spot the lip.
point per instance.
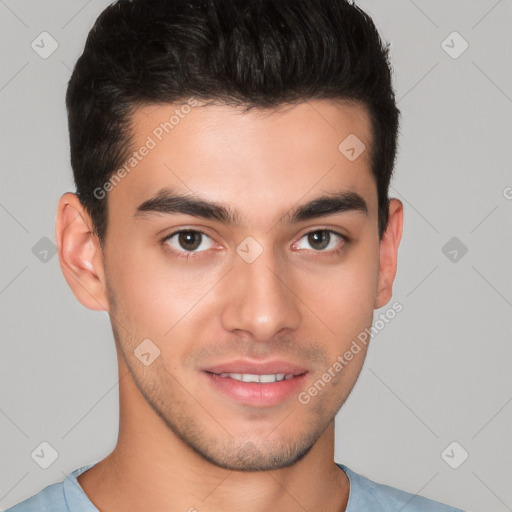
(245, 366)
(256, 394)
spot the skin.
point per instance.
(182, 445)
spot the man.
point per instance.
(232, 163)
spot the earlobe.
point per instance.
(389, 253)
(80, 255)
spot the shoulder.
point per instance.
(365, 494)
(49, 499)
(59, 497)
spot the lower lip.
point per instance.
(254, 393)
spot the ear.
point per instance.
(80, 255)
(388, 253)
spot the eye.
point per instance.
(322, 240)
(188, 241)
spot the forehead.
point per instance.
(258, 162)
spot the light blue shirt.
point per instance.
(365, 495)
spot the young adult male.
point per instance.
(232, 163)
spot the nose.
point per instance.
(260, 298)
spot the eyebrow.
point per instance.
(169, 202)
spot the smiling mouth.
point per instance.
(262, 379)
(256, 383)
(256, 389)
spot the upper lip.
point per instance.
(254, 368)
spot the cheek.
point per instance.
(158, 298)
(146, 283)
(344, 297)
(161, 297)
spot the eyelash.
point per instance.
(188, 254)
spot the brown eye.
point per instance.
(319, 240)
(189, 241)
(322, 240)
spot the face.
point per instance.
(242, 260)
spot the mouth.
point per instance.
(258, 385)
(252, 377)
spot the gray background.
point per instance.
(438, 373)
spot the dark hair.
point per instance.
(250, 53)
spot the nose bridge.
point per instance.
(261, 301)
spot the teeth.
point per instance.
(249, 377)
